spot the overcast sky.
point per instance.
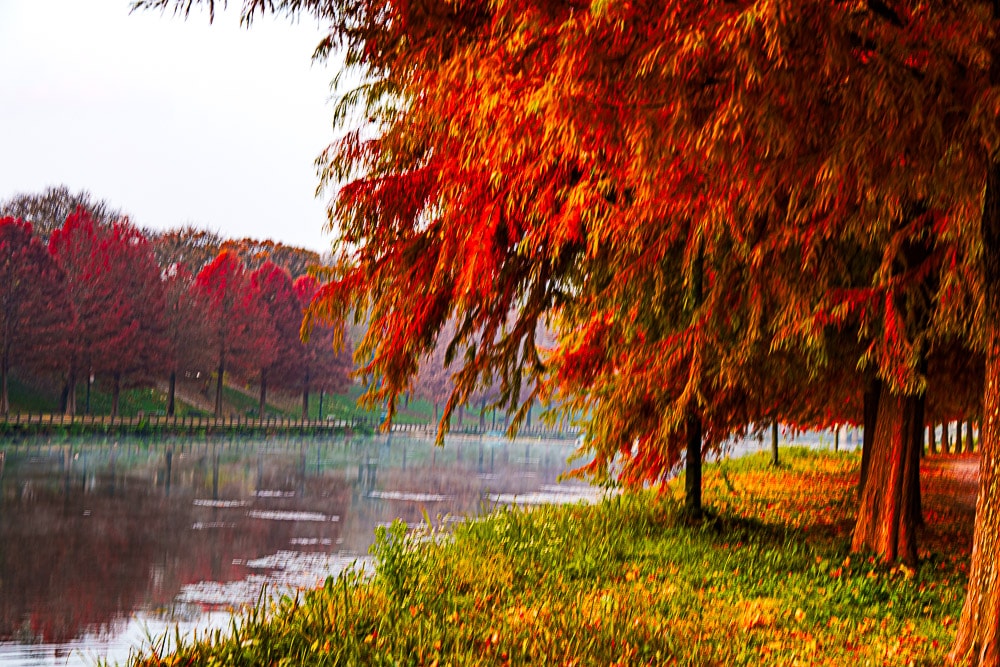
(175, 122)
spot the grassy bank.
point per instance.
(768, 579)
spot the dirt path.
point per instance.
(954, 480)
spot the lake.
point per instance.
(105, 543)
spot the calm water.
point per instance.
(105, 544)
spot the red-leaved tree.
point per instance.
(238, 330)
(113, 282)
(34, 314)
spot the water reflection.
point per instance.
(94, 535)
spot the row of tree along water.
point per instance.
(96, 305)
(93, 301)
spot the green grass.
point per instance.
(768, 578)
(130, 403)
(25, 398)
(246, 403)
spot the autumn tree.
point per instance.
(185, 328)
(34, 314)
(113, 283)
(237, 327)
(48, 210)
(189, 246)
(282, 364)
(255, 254)
(327, 352)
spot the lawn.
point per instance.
(767, 578)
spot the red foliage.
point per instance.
(239, 333)
(113, 283)
(35, 317)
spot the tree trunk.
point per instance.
(4, 396)
(116, 391)
(931, 445)
(263, 393)
(977, 640)
(305, 399)
(774, 444)
(70, 407)
(958, 437)
(836, 438)
(319, 413)
(482, 414)
(171, 392)
(970, 444)
(218, 389)
(873, 390)
(886, 520)
(945, 442)
(528, 417)
(692, 479)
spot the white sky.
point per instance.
(175, 122)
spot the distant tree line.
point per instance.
(92, 298)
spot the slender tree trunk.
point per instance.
(958, 437)
(305, 399)
(116, 391)
(528, 418)
(945, 442)
(931, 445)
(437, 415)
(873, 390)
(4, 396)
(774, 444)
(970, 444)
(482, 414)
(218, 388)
(320, 411)
(977, 640)
(263, 393)
(886, 520)
(70, 408)
(171, 392)
(692, 467)
(692, 479)
(836, 438)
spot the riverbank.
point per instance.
(29, 425)
(767, 578)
